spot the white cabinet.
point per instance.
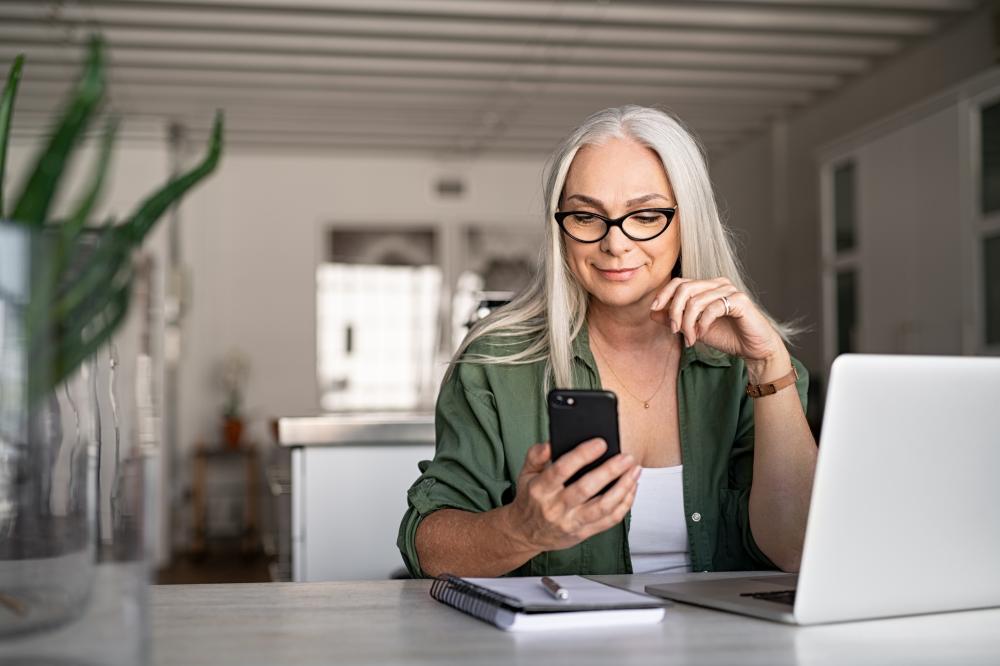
(349, 482)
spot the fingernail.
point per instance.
(656, 304)
(674, 325)
(636, 473)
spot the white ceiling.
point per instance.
(455, 76)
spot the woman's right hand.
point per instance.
(550, 516)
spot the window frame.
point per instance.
(834, 262)
(979, 226)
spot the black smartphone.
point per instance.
(578, 415)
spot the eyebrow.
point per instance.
(596, 203)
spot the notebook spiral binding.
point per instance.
(468, 598)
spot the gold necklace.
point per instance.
(645, 403)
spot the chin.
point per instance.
(618, 297)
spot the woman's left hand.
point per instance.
(696, 309)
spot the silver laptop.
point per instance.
(905, 511)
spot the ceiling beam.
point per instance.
(225, 62)
(71, 19)
(689, 14)
(399, 126)
(208, 81)
(129, 42)
(906, 5)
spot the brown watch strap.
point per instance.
(770, 388)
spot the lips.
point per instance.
(618, 274)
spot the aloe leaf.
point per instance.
(101, 267)
(71, 227)
(74, 348)
(65, 321)
(6, 114)
(86, 270)
(34, 203)
(68, 325)
(74, 306)
(146, 215)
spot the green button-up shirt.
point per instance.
(489, 415)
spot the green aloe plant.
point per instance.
(80, 293)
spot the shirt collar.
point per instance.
(699, 352)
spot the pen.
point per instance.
(555, 589)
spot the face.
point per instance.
(615, 178)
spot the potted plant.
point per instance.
(233, 372)
(72, 517)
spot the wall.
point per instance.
(253, 239)
(770, 185)
(911, 303)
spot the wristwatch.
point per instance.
(770, 388)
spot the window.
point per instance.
(990, 155)
(378, 300)
(991, 289)
(844, 207)
(847, 309)
(840, 274)
(988, 224)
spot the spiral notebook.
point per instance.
(523, 604)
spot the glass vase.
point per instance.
(76, 462)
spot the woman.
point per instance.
(639, 293)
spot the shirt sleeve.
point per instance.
(735, 509)
(467, 471)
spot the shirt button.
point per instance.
(695, 517)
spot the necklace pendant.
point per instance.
(646, 405)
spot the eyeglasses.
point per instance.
(639, 225)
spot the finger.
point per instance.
(684, 293)
(696, 307)
(570, 463)
(715, 310)
(611, 519)
(591, 483)
(617, 470)
(602, 505)
(537, 457)
(667, 293)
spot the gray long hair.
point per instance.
(542, 321)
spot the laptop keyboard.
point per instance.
(779, 597)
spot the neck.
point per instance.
(626, 328)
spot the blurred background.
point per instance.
(380, 189)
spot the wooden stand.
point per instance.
(249, 535)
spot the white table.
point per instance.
(396, 622)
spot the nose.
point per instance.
(616, 242)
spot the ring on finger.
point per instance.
(725, 301)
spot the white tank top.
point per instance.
(658, 537)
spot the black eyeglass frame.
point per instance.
(617, 222)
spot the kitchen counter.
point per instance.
(393, 428)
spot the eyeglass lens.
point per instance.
(640, 225)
